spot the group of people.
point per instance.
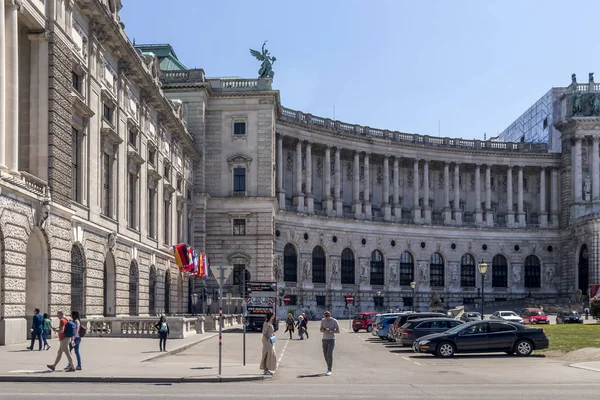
(329, 328)
(301, 324)
(69, 332)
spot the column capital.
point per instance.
(366, 153)
(478, 165)
(14, 3)
(577, 139)
(308, 142)
(521, 167)
(416, 161)
(543, 168)
(425, 160)
(38, 36)
(510, 167)
(595, 139)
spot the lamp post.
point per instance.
(482, 267)
(194, 302)
(208, 303)
(413, 285)
(379, 297)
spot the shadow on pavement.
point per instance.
(475, 356)
(311, 376)
(201, 368)
(402, 351)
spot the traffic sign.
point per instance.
(349, 299)
(227, 269)
(286, 299)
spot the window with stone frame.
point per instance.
(167, 170)
(378, 300)
(377, 268)
(499, 271)
(152, 212)
(467, 271)
(239, 180)
(76, 82)
(132, 200)
(239, 127)
(318, 265)
(436, 270)
(407, 269)
(290, 263)
(107, 185)
(107, 113)
(152, 155)
(167, 218)
(347, 267)
(533, 272)
(239, 227)
(132, 137)
(133, 289)
(77, 280)
(75, 165)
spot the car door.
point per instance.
(474, 338)
(501, 336)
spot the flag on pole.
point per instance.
(195, 271)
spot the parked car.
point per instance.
(416, 328)
(379, 318)
(470, 316)
(484, 337)
(384, 326)
(394, 335)
(534, 316)
(568, 317)
(509, 316)
(363, 320)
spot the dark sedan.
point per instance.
(413, 330)
(568, 317)
(484, 337)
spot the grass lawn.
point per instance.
(571, 337)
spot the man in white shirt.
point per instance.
(329, 327)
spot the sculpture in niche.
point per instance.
(454, 274)
(550, 275)
(307, 272)
(516, 274)
(335, 272)
(423, 272)
(364, 274)
(587, 188)
(595, 100)
(394, 279)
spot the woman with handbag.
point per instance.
(163, 332)
(268, 362)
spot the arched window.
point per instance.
(77, 280)
(167, 292)
(436, 270)
(377, 268)
(152, 291)
(533, 272)
(347, 267)
(407, 269)
(499, 271)
(318, 265)
(290, 263)
(467, 271)
(583, 269)
(133, 289)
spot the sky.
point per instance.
(453, 68)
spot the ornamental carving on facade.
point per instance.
(379, 176)
(584, 157)
(504, 184)
(410, 178)
(289, 161)
(525, 185)
(349, 172)
(516, 275)
(319, 167)
(472, 182)
(441, 180)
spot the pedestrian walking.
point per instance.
(289, 324)
(37, 326)
(305, 324)
(301, 325)
(46, 331)
(268, 361)
(66, 333)
(76, 340)
(329, 327)
(163, 332)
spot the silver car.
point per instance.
(509, 316)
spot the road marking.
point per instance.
(417, 363)
(26, 371)
(283, 351)
(406, 358)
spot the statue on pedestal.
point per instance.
(266, 68)
(307, 272)
(587, 189)
(364, 274)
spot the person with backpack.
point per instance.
(163, 332)
(79, 332)
(66, 333)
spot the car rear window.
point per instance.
(359, 316)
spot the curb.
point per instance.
(580, 366)
(130, 379)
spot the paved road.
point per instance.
(364, 367)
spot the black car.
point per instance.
(404, 318)
(470, 316)
(568, 317)
(416, 328)
(484, 337)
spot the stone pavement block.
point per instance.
(590, 366)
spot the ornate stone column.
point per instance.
(457, 210)
(510, 213)
(339, 204)
(554, 195)
(387, 210)
(11, 37)
(356, 203)
(543, 213)
(397, 205)
(327, 176)
(299, 196)
(280, 191)
(577, 170)
(595, 168)
(446, 211)
(3, 165)
(310, 200)
(416, 207)
(367, 189)
(478, 213)
(489, 216)
(520, 210)
(427, 216)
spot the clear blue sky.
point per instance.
(401, 65)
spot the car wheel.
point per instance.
(445, 349)
(369, 328)
(523, 348)
(355, 330)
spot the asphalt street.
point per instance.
(364, 366)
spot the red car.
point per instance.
(364, 320)
(534, 316)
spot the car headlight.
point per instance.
(422, 342)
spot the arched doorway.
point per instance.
(36, 286)
(290, 263)
(583, 269)
(77, 280)
(110, 286)
(167, 292)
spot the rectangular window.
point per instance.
(332, 166)
(132, 199)
(293, 300)
(303, 163)
(76, 81)
(180, 226)
(239, 128)
(151, 213)
(133, 138)
(75, 165)
(106, 185)
(189, 194)
(406, 273)
(239, 227)
(239, 179)
(167, 221)
(107, 113)
(152, 156)
(320, 300)
(179, 184)
(167, 171)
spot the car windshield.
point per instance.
(537, 313)
(473, 314)
(571, 313)
(508, 314)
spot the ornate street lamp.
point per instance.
(413, 285)
(208, 303)
(379, 297)
(482, 267)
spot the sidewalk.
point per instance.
(123, 360)
(590, 366)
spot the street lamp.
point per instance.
(379, 297)
(482, 267)
(194, 302)
(208, 303)
(413, 285)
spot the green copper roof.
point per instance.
(166, 56)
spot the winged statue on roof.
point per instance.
(266, 68)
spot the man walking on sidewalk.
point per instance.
(37, 326)
(329, 327)
(65, 336)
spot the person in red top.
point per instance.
(64, 343)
